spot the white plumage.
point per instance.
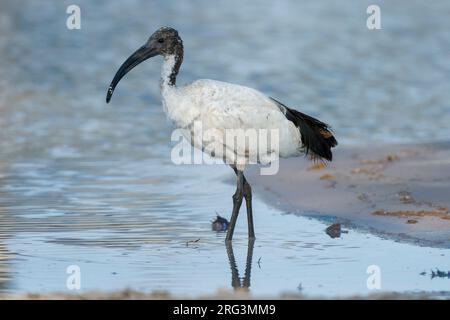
(222, 108)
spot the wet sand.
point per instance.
(401, 192)
(219, 295)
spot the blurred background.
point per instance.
(81, 180)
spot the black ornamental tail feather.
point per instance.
(317, 138)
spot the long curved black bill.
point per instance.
(140, 55)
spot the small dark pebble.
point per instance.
(220, 224)
(335, 231)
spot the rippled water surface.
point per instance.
(89, 184)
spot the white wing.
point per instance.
(222, 106)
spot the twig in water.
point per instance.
(192, 241)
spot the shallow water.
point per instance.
(89, 184)
(125, 229)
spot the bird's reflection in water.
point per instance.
(236, 281)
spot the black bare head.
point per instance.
(165, 41)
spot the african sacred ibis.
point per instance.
(222, 106)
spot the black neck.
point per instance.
(177, 65)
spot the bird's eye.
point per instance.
(161, 40)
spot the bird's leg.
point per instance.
(237, 201)
(247, 193)
(248, 203)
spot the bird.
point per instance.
(223, 106)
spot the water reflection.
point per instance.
(236, 281)
(4, 271)
(4, 252)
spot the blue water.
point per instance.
(89, 184)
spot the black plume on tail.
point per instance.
(317, 138)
